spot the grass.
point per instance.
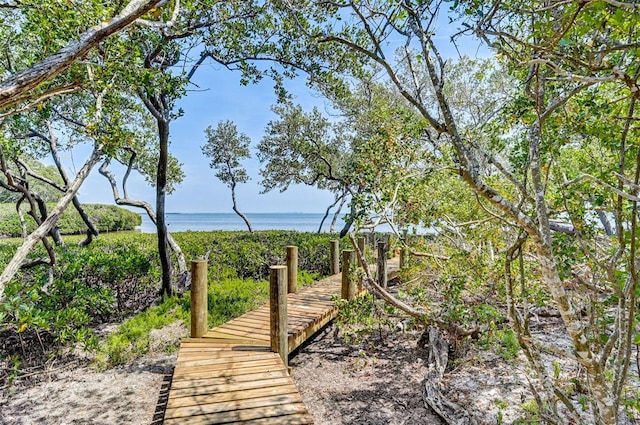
(117, 275)
(227, 299)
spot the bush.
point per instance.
(249, 255)
(117, 277)
(106, 218)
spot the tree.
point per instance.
(235, 34)
(515, 175)
(33, 67)
(16, 88)
(226, 148)
(305, 148)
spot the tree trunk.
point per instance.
(235, 208)
(91, 228)
(347, 223)
(182, 263)
(336, 214)
(339, 198)
(606, 224)
(14, 265)
(438, 349)
(42, 208)
(52, 140)
(14, 88)
(161, 225)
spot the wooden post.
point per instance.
(348, 283)
(198, 298)
(292, 269)
(278, 309)
(335, 257)
(361, 247)
(404, 257)
(382, 263)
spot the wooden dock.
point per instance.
(230, 374)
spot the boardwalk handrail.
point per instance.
(231, 374)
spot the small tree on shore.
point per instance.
(226, 147)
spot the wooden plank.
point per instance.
(221, 354)
(313, 297)
(320, 289)
(258, 402)
(256, 323)
(312, 318)
(255, 331)
(238, 362)
(230, 355)
(217, 354)
(249, 377)
(243, 414)
(188, 393)
(226, 367)
(295, 419)
(307, 308)
(223, 332)
(292, 318)
(212, 347)
(199, 361)
(303, 303)
(305, 314)
(314, 307)
(229, 342)
(245, 321)
(225, 373)
(174, 405)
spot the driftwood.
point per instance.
(438, 348)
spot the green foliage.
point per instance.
(531, 415)
(116, 277)
(106, 218)
(90, 285)
(249, 255)
(304, 148)
(226, 148)
(226, 299)
(632, 403)
(131, 340)
(47, 192)
(361, 316)
(509, 346)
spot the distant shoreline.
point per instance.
(302, 222)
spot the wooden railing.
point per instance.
(283, 281)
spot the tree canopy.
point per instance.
(533, 152)
(226, 148)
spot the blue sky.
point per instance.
(221, 97)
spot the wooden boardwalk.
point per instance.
(231, 376)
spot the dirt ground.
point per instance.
(378, 381)
(371, 383)
(122, 395)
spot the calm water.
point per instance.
(180, 222)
